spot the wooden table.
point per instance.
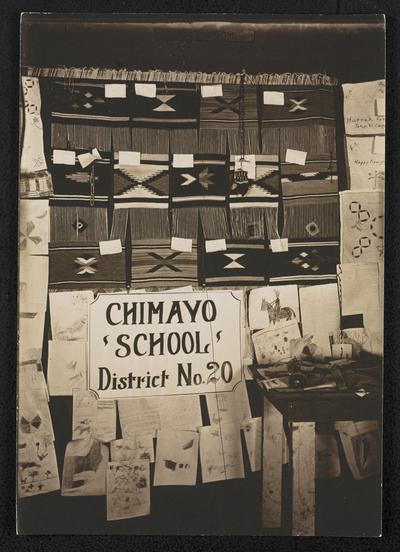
(301, 410)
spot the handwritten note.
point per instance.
(221, 453)
(92, 417)
(67, 367)
(176, 458)
(361, 115)
(85, 465)
(215, 245)
(128, 490)
(129, 158)
(69, 314)
(279, 245)
(366, 166)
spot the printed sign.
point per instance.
(152, 344)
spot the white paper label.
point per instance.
(296, 156)
(181, 244)
(129, 158)
(144, 89)
(379, 145)
(115, 90)
(110, 247)
(271, 97)
(279, 245)
(95, 153)
(211, 91)
(63, 157)
(86, 159)
(380, 106)
(246, 163)
(182, 160)
(215, 245)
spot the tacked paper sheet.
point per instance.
(221, 454)
(31, 330)
(320, 314)
(128, 489)
(273, 306)
(92, 417)
(176, 458)
(146, 416)
(37, 469)
(67, 367)
(33, 280)
(362, 228)
(229, 407)
(274, 345)
(252, 429)
(367, 168)
(69, 314)
(361, 444)
(85, 465)
(362, 114)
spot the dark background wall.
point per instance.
(349, 48)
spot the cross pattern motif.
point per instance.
(164, 262)
(297, 105)
(227, 105)
(86, 265)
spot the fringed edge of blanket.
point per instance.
(156, 75)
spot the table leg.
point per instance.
(272, 466)
(303, 478)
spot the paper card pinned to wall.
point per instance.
(181, 244)
(92, 417)
(110, 247)
(221, 453)
(279, 245)
(86, 159)
(129, 158)
(148, 90)
(37, 466)
(85, 465)
(115, 90)
(66, 367)
(296, 156)
(246, 163)
(380, 106)
(96, 153)
(211, 91)
(63, 157)
(272, 97)
(182, 160)
(215, 245)
(379, 145)
(128, 490)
